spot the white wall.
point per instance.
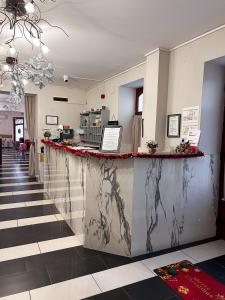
(212, 108)
(111, 87)
(126, 111)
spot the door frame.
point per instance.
(14, 127)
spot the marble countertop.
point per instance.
(79, 151)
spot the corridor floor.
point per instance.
(41, 258)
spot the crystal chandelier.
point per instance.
(37, 70)
(40, 71)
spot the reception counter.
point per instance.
(133, 203)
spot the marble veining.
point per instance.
(153, 198)
(109, 191)
(133, 206)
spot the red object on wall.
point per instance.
(102, 96)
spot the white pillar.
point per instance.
(155, 97)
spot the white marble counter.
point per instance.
(134, 206)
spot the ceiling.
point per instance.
(106, 37)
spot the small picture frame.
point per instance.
(173, 125)
(52, 120)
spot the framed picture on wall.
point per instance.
(52, 120)
(173, 125)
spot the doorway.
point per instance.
(18, 128)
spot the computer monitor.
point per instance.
(67, 134)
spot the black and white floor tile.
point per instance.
(41, 259)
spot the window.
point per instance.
(139, 101)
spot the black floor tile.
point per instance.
(113, 261)
(220, 260)
(117, 294)
(87, 253)
(51, 258)
(17, 180)
(34, 233)
(22, 282)
(14, 174)
(221, 279)
(14, 266)
(21, 188)
(22, 198)
(27, 212)
(4, 168)
(73, 268)
(212, 268)
(153, 288)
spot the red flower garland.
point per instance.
(86, 153)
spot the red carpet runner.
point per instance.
(190, 282)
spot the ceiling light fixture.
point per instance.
(23, 20)
(30, 7)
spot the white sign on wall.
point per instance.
(190, 125)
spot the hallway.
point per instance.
(41, 259)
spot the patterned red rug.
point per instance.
(190, 282)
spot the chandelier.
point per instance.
(23, 19)
(37, 70)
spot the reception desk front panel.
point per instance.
(136, 205)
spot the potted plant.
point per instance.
(152, 146)
(47, 134)
(184, 147)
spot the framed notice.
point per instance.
(190, 125)
(111, 139)
(190, 115)
(173, 126)
(52, 120)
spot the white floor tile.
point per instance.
(18, 184)
(57, 244)
(20, 296)
(13, 205)
(166, 259)
(59, 217)
(206, 251)
(74, 289)
(8, 224)
(117, 277)
(36, 203)
(18, 172)
(15, 177)
(6, 194)
(37, 220)
(28, 192)
(19, 251)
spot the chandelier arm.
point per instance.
(13, 36)
(3, 26)
(55, 26)
(26, 23)
(24, 34)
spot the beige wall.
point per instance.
(111, 87)
(6, 121)
(187, 71)
(126, 111)
(68, 113)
